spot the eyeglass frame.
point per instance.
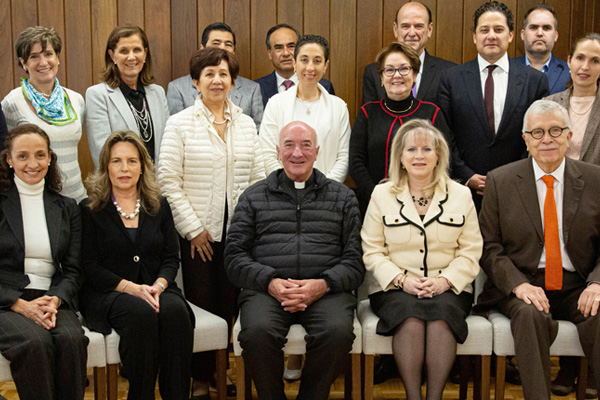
(408, 69)
(544, 131)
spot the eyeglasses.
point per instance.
(539, 133)
(403, 71)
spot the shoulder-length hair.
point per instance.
(99, 182)
(7, 174)
(409, 132)
(111, 75)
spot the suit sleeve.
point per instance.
(68, 286)
(257, 106)
(369, 87)
(269, 136)
(174, 99)
(498, 266)
(97, 123)
(170, 250)
(359, 156)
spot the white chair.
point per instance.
(296, 345)
(210, 334)
(96, 359)
(566, 344)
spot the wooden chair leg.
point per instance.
(582, 378)
(486, 362)
(247, 384)
(240, 370)
(356, 375)
(221, 374)
(348, 378)
(112, 384)
(500, 376)
(368, 373)
(477, 381)
(99, 383)
(464, 363)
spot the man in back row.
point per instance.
(413, 26)
(281, 43)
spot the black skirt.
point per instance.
(395, 306)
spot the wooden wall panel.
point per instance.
(263, 15)
(184, 35)
(448, 31)
(432, 42)
(78, 58)
(157, 21)
(104, 20)
(24, 14)
(51, 13)
(290, 12)
(318, 22)
(8, 60)
(390, 7)
(209, 11)
(563, 14)
(519, 14)
(343, 51)
(131, 12)
(236, 16)
(369, 16)
(577, 20)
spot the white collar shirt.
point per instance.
(500, 76)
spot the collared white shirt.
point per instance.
(281, 79)
(559, 188)
(500, 76)
(420, 74)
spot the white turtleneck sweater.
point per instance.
(38, 254)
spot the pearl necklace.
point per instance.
(123, 214)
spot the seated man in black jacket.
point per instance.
(294, 247)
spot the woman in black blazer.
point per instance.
(39, 271)
(130, 259)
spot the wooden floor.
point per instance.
(391, 389)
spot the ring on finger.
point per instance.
(597, 299)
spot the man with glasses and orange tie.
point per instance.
(540, 222)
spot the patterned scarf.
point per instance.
(56, 110)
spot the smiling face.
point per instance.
(42, 65)
(310, 64)
(413, 26)
(222, 40)
(214, 83)
(539, 35)
(29, 157)
(124, 167)
(129, 55)
(585, 66)
(281, 53)
(298, 150)
(398, 87)
(419, 157)
(492, 36)
(548, 152)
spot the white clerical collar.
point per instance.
(558, 173)
(299, 185)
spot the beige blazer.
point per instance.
(590, 148)
(447, 243)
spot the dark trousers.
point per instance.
(150, 341)
(45, 364)
(206, 285)
(328, 324)
(534, 331)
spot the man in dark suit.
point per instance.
(541, 227)
(413, 26)
(484, 100)
(281, 43)
(539, 35)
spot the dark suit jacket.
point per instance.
(109, 255)
(268, 86)
(64, 230)
(461, 99)
(3, 128)
(428, 88)
(558, 73)
(513, 234)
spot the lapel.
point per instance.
(516, 78)
(11, 208)
(53, 221)
(592, 125)
(573, 190)
(472, 85)
(436, 208)
(236, 93)
(271, 86)
(428, 66)
(119, 102)
(409, 211)
(526, 188)
(157, 115)
(113, 215)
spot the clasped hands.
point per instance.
(587, 304)
(150, 294)
(297, 294)
(425, 287)
(42, 310)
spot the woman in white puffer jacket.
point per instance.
(209, 155)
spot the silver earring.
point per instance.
(115, 62)
(48, 164)
(10, 166)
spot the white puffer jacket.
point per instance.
(190, 175)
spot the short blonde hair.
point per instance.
(409, 132)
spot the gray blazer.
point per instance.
(181, 94)
(107, 111)
(590, 148)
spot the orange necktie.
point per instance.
(554, 269)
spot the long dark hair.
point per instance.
(7, 174)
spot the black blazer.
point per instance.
(109, 255)
(430, 80)
(64, 230)
(461, 99)
(268, 86)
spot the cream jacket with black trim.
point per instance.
(446, 243)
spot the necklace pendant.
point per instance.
(308, 112)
